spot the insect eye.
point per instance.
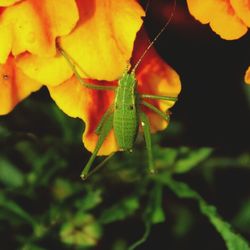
(116, 106)
(131, 107)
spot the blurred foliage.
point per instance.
(45, 205)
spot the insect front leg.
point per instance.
(156, 110)
(159, 97)
(104, 130)
(72, 66)
(147, 135)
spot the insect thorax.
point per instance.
(127, 80)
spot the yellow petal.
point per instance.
(6, 41)
(220, 15)
(242, 9)
(50, 71)
(103, 40)
(8, 2)
(247, 76)
(33, 26)
(201, 10)
(89, 105)
(14, 86)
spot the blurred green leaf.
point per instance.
(241, 161)
(32, 247)
(153, 214)
(182, 190)
(157, 214)
(242, 219)
(180, 160)
(40, 162)
(183, 220)
(16, 209)
(10, 176)
(70, 128)
(120, 210)
(192, 157)
(90, 200)
(165, 156)
(120, 244)
(82, 230)
(62, 189)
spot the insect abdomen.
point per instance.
(126, 113)
(125, 128)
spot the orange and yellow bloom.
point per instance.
(230, 19)
(100, 36)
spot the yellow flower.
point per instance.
(247, 76)
(99, 36)
(230, 19)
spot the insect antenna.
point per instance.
(156, 37)
(147, 6)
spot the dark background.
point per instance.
(213, 105)
(213, 108)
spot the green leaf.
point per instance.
(233, 241)
(155, 209)
(242, 219)
(120, 211)
(153, 214)
(120, 244)
(165, 157)
(10, 176)
(17, 210)
(62, 189)
(184, 220)
(32, 247)
(82, 230)
(192, 159)
(90, 200)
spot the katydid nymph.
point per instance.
(124, 116)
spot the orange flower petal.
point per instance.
(155, 77)
(50, 71)
(6, 41)
(221, 16)
(89, 105)
(103, 41)
(14, 85)
(33, 26)
(247, 76)
(242, 9)
(201, 10)
(8, 2)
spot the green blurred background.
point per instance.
(45, 205)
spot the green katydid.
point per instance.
(125, 114)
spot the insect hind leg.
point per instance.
(147, 135)
(103, 133)
(109, 111)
